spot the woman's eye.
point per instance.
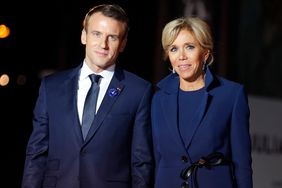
(190, 47)
(173, 49)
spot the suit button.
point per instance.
(185, 185)
(184, 159)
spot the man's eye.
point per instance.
(113, 38)
(96, 34)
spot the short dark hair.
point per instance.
(110, 10)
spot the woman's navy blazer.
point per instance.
(220, 124)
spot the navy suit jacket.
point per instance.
(220, 124)
(117, 152)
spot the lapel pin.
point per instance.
(114, 92)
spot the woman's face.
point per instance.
(187, 56)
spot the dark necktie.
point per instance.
(90, 104)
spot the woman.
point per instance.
(200, 120)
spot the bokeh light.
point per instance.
(4, 31)
(4, 80)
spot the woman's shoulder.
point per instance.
(167, 80)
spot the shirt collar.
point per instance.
(106, 74)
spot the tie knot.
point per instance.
(94, 78)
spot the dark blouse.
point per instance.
(188, 102)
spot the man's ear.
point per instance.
(123, 44)
(83, 37)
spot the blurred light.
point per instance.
(4, 31)
(4, 80)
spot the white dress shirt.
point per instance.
(84, 84)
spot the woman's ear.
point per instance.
(83, 37)
(207, 54)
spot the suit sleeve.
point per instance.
(37, 146)
(142, 157)
(155, 133)
(241, 141)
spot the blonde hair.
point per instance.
(198, 27)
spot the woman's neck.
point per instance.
(194, 85)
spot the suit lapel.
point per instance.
(71, 87)
(169, 106)
(170, 113)
(210, 83)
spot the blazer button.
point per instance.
(184, 159)
(185, 185)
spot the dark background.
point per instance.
(45, 37)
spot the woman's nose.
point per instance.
(182, 55)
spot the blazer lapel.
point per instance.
(170, 108)
(210, 83)
(71, 87)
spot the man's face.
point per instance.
(104, 40)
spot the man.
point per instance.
(116, 151)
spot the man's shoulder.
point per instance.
(59, 78)
(61, 74)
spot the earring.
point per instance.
(173, 71)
